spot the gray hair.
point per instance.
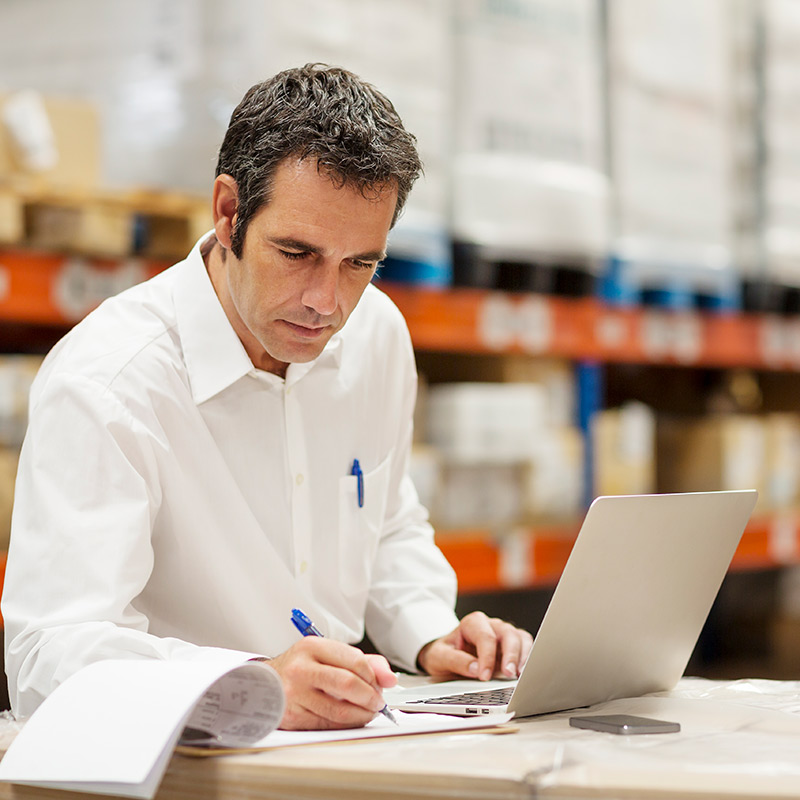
(319, 112)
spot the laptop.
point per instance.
(627, 611)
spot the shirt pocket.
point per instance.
(360, 527)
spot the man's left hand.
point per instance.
(479, 647)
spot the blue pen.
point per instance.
(308, 628)
(360, 476)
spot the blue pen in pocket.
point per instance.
(357, 472)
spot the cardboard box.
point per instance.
(712, 454)
(623, 440)
(75, 127)
(9, 459)
(782, 461)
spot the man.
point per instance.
(214, 447)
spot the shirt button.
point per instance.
(299, 479)
(303, 567)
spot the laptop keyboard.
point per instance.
(493, 697)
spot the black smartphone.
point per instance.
(625, 724)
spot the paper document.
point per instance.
(408, 725)
(112, 727)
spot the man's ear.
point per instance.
(224, 205)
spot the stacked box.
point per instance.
(554, 489)
(486, 422)
(473, 494)
(529, 168)
(555, 376)
(623, 444)
(781, 461)
(672, 141)
(715, 453)
(54, 140)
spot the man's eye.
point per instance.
(364, 264)
(293, 256)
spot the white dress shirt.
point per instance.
(173, 501)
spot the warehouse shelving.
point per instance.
(484, 321)
(56, 290)
(589, 331)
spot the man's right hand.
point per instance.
(329, 684)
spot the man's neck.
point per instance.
(214, 257)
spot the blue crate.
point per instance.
(674, 286)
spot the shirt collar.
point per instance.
(215, 356)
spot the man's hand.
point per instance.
(330, 685)
(479, 647)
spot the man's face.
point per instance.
(308, 255)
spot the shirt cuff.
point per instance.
(419, 624)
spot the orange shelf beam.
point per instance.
(55, 289)
(483, 321)
(535, 557)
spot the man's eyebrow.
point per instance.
(295, 244)
(305, 247)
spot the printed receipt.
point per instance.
(238, 710)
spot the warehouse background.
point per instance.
(600, 267)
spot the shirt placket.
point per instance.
(300, 485)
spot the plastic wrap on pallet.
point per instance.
(529, 170)
(674, 149)
(781, 71)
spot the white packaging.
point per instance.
(25, 117)
(529, 168)
(425, 469)
(781, 125)
(486, 422)
(479, 495)
(555, 483)
(672, 135)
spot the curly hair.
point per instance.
(320, 112)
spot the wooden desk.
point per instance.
(738, 740)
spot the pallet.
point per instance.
(158, 225)
(769, 297)
(485, 268)
(669, 286)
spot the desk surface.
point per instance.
(739, 739)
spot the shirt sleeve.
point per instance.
(80, 552)
(413, 591)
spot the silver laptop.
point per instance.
(628, 609)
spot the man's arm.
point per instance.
(81, 548)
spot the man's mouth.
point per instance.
(306, 331)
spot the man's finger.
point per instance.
(443, 659)
(477, 629)
(510, 650)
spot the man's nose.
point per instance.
(322, 292)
